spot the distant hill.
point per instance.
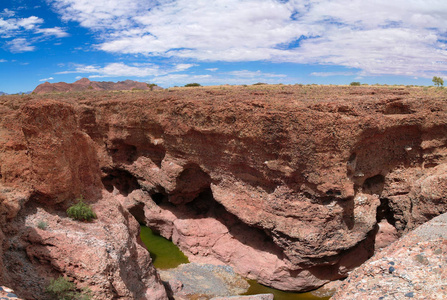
(3, 93)
(85, 84)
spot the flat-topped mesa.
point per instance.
(84, 84)
(289, 190)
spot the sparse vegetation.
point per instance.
(355, 83)
(63, 289)
(259, 83)
(81, 211)
(192, 84)
(151, 85)
(42, 225)
(438, 81)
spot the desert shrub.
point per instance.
(81, 211)
(42, 225)
(259, 83)
(355, 83)
(63, 289)
(192, 84)
(151, 85)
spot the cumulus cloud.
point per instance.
(46, 79)
(20, 31)
(254, 74)
(233, 77)
(328, 74)
(19, 45)
(377, 37)
(123, 70)
(55, 31)
(7, 13)
(11, 26)
(102, 14)
(181, 79)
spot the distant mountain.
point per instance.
(19, 93)
(85, 84)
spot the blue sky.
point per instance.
(174, 42)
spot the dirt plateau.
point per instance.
(293, 186)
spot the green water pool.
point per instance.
(166, 255)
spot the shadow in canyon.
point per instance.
(34, 255)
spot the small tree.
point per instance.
(438, 81)
(151, 86)
(355, 83)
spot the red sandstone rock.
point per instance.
(85, 84)
(386, 234)
(59, 151)
(414, 267)
(104, 255)
(46, 160)
(296, 177)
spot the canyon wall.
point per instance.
(291, 185)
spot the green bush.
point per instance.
(81, 211)
(42, 225)
(63, 289)
(151, 86)
(355, 83)
(192, 84)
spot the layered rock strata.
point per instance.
(289, 185)
(46, 163)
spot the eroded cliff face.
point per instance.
(292, 186)
(47, 162)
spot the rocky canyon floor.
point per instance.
(292, 186)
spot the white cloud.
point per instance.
(29, 23)
(216, 79)
(212, 69)
(173, 74)
(256, 74)
(56, 31)
(328, 74)
(7, 13)
(102, 14)
(12, 26)
(377, 37)
(183, 67)
(21, 31)
(46, 79)
(123, 70)
(19, 45)
(181, 79)
(3, 60)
